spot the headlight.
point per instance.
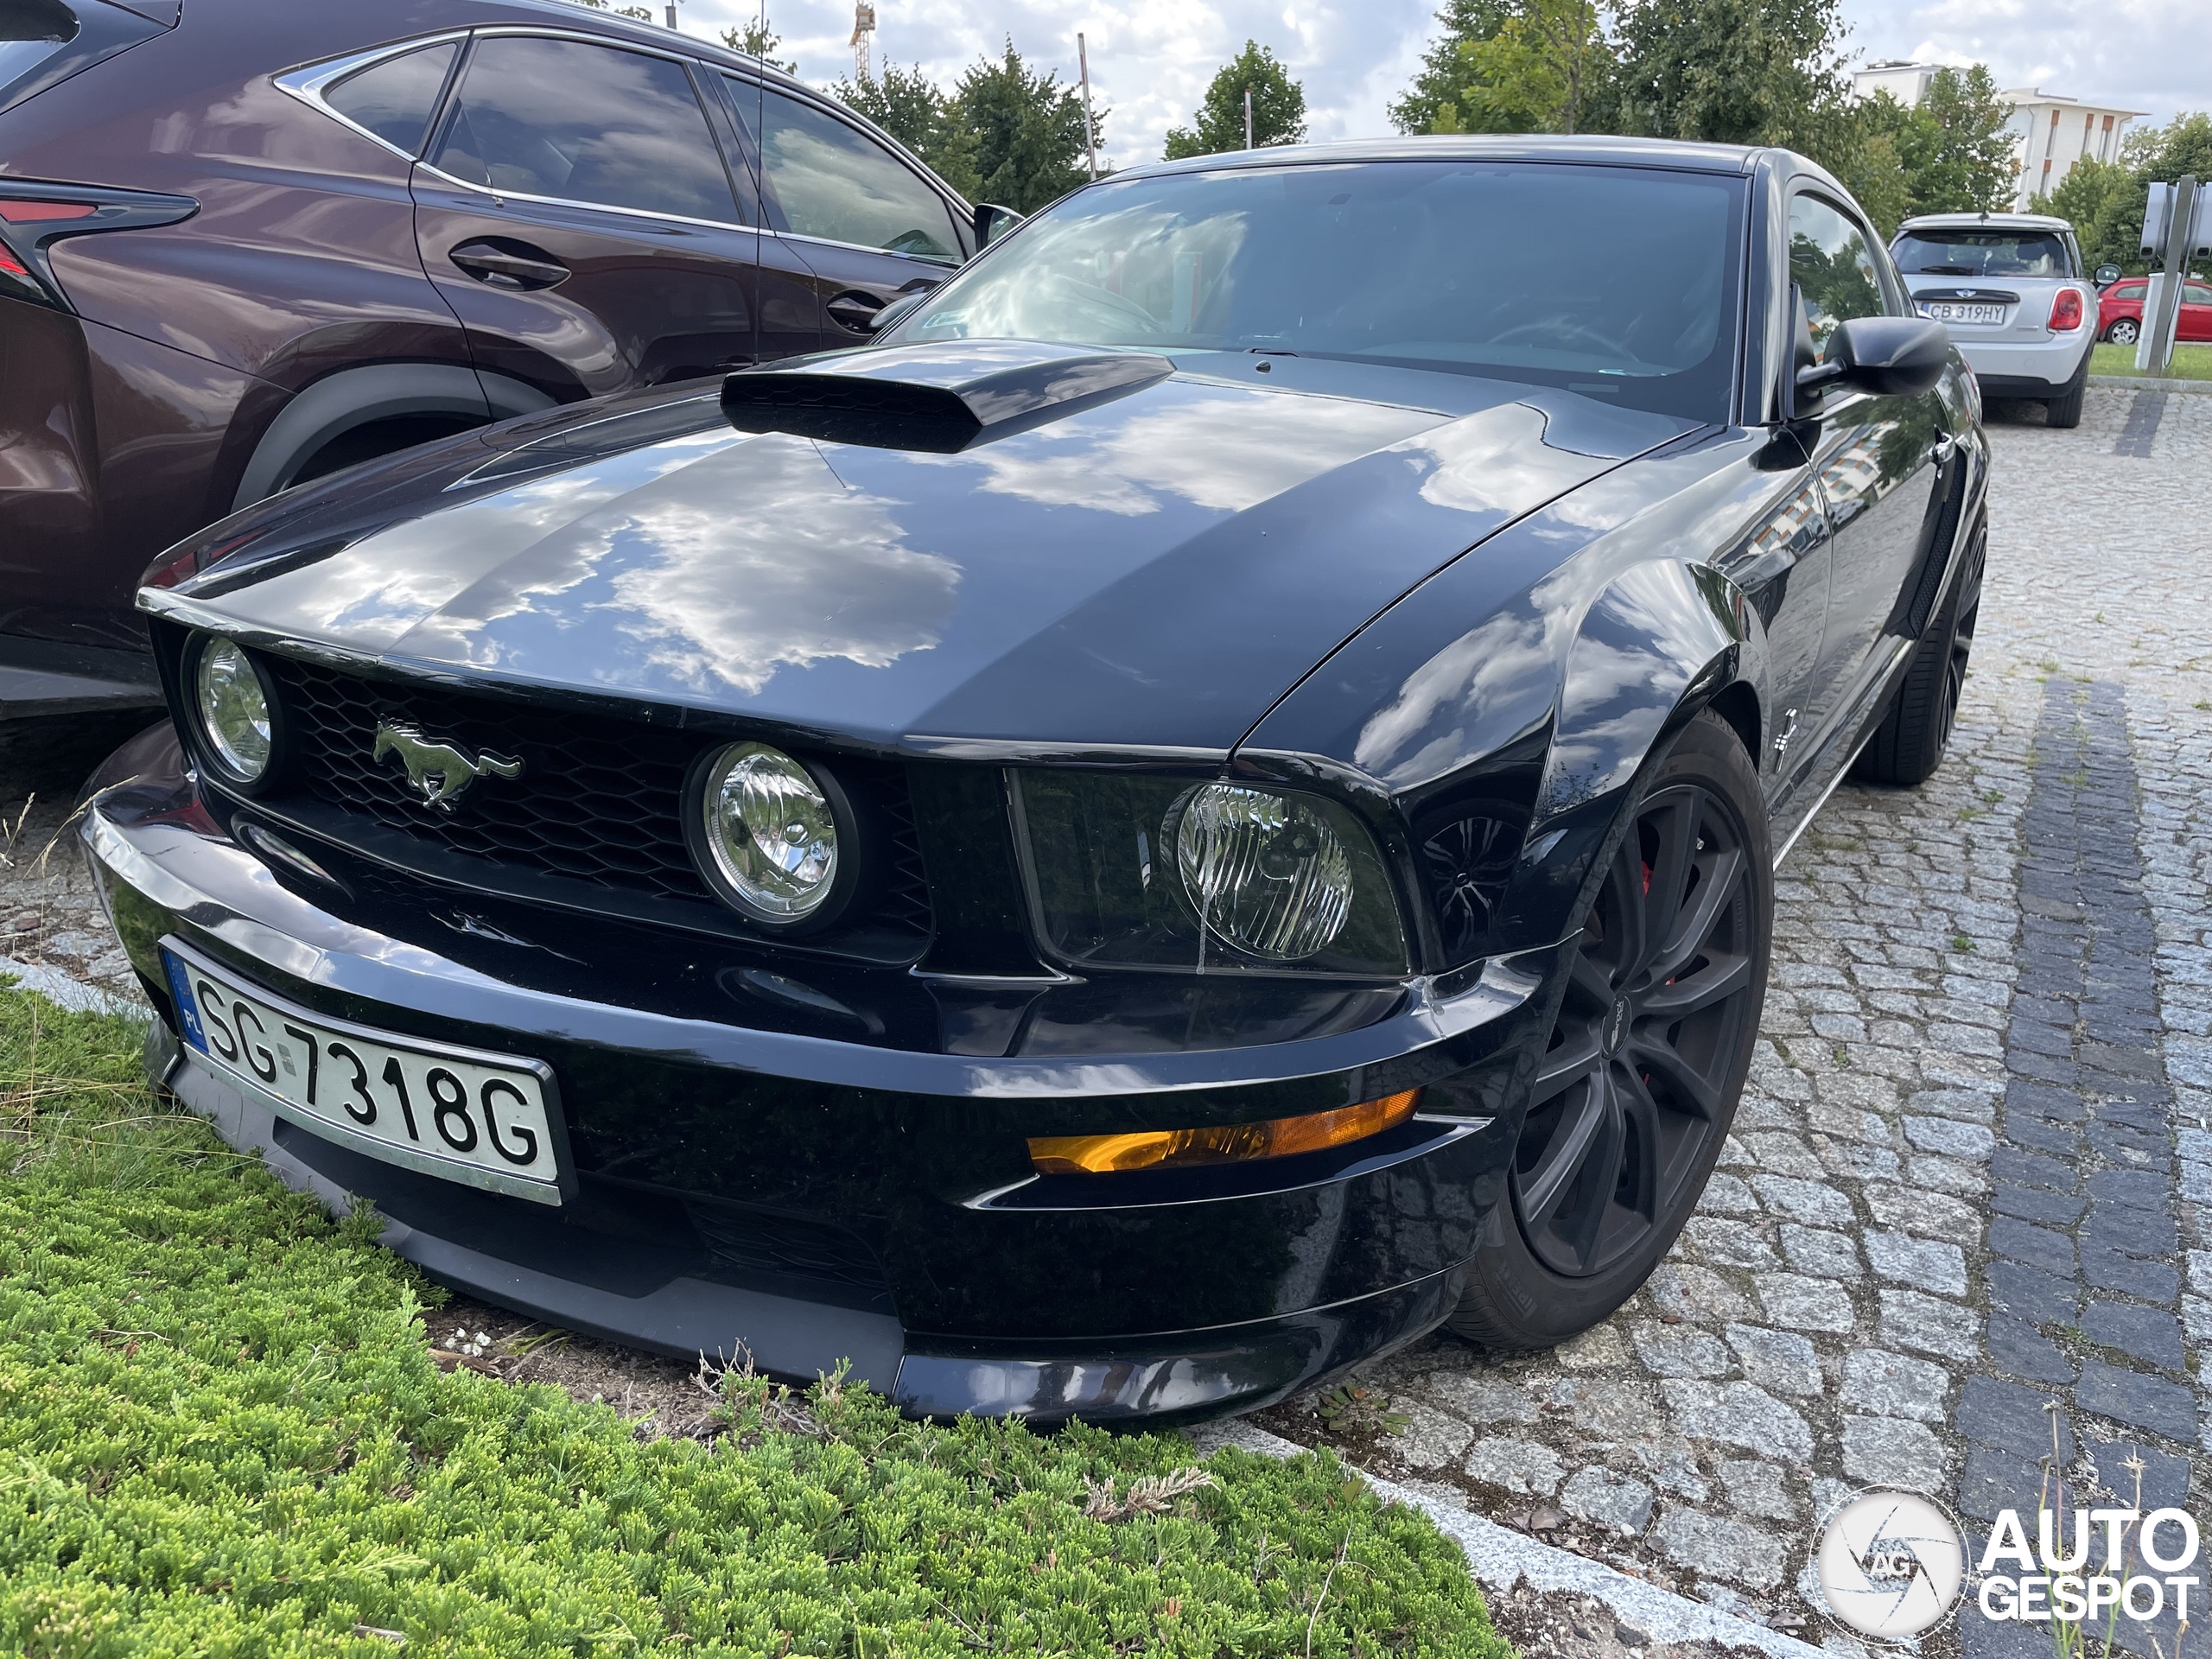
(769, 831)
(1143, 872)
(233, 707)
(1262, 870)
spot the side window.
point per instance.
(396, 99)
(2195, 294)
(2130, 290)
(585, 123)
(1830, 264)
(834, 183)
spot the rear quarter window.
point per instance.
(396, 99)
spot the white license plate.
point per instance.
(1942, 311)
(485, 1120)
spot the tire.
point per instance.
(2064, 411)
(1908, 744)
(2125, 332)
(1646, 1060)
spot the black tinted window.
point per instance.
(31, 31)
(1617, 280)
(1964, 252)
(585, 123)
(396, 99)
(834, 182)
(1832, 266)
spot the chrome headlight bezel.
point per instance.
(719, 870)
(1087, 837)
(216, 754)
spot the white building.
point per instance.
(2049, 132)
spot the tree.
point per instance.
(1734, 71)
(1278, 108)
(1439, 92)
(914, 110)
(1543, 70)
(755, 40)
(2105, 201)
(1958, 151)
(1028, 133)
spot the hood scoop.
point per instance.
(937, 399)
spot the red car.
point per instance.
(2120, 311)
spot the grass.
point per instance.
(221, 1433)
(2190, 362)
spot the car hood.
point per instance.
(1155, 567)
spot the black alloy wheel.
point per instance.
(1638, 1083)
(1909, 743)
(1630, 1091)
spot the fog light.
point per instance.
(1276, 1137)
(770, 832)
(233, 708)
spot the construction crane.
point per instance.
(863, 33)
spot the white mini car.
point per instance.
(2011, 290)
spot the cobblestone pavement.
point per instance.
(1965, 1177)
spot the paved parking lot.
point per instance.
(1965, 1181)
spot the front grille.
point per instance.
(597, 800)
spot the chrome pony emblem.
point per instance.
(440, 770)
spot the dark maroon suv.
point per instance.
(245, 242)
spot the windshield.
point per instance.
(1615, 280)
(1948, 252)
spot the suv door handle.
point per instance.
(856, 310)
(1943, 447)
(512, 265)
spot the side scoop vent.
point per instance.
(937, 399)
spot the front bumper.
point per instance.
(2035, 369)
(816, 1201)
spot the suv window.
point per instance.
(585, 123)
(1963, 251)
(396, 99)
(833, 181)
(1832, 265)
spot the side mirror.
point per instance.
(992, 222)
(899, 310)
(1889, 357)
(2106, 276)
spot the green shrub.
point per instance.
(221, 1433)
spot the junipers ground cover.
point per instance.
(221, 1433)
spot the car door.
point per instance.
(1877, 460)
(2195, 312)
(579, 213)
(1782, 567)
(866, 225)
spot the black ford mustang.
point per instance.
(1202, 805)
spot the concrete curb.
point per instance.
(69, 993)
(2142, 382)
(1500, 1558)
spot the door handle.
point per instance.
(1943, 449)
(512, 265)
(856, 310)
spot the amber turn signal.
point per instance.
(1276, 1137)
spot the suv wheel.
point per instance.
(1647, 1058)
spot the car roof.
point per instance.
(1519, 147)
(1979, 221)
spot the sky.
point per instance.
(1150, 59)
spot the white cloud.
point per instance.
(1150, 59)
